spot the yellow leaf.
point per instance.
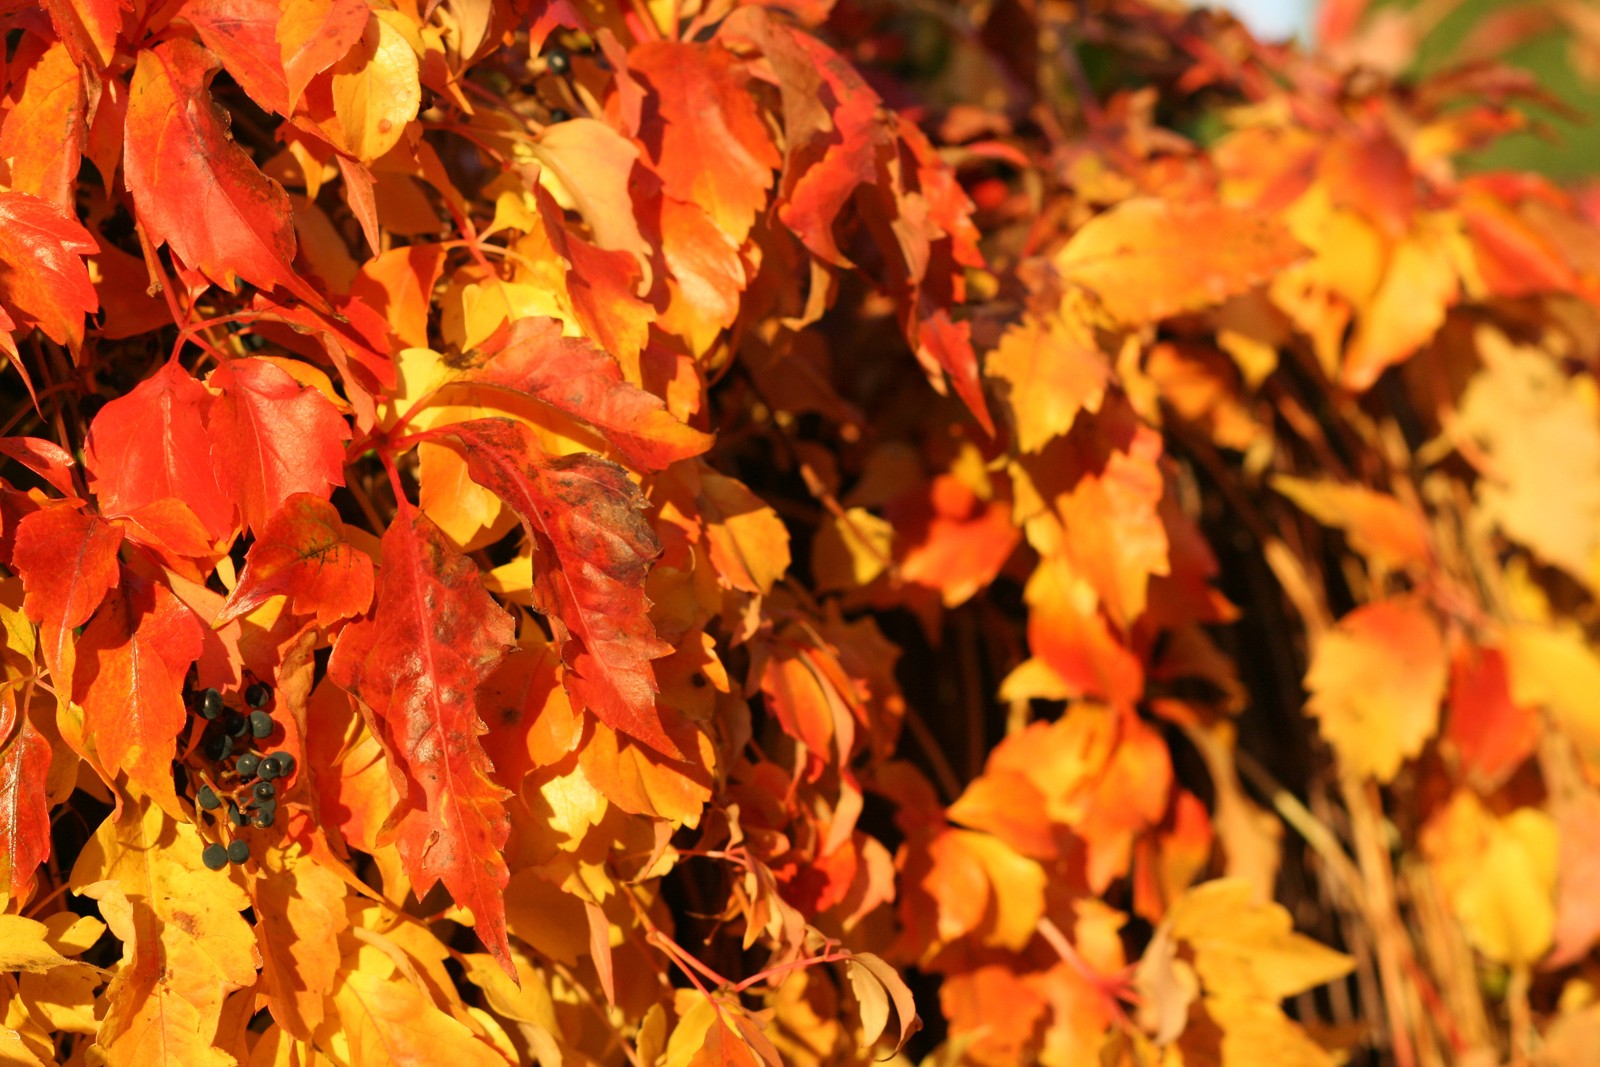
(388, 1022)
(376, 90)
(23, 946)
(64, 998)
(1541, 429)
(718, 1033)
(1378, 526)
(185, 946)
(749, 543)
(1498, 874)
(851, 551)
(1555, 666)
(1417, 289)
(1245, 948)
(1254, 1032)
(1049, 369)
(300, 912)
(1376, 681)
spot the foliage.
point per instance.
(728, 533)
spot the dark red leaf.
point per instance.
(303, 554)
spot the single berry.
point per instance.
(264, 816)
(559, 115)
(270, 768)
(258, 695)
(208, 798)
(558, 61)
(285, 764)
(235, 725)
(247, 765)
(215, 856)
(238, 851)
(210, 704)
(264, 791)
(260, 724)
(218, 746)
(235, 816)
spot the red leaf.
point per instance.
(153, 444)
(303, 554)
(574, 375)
(313, 35)
(24, 809)
(45, 458)
(43, 280)
(282, 438)
(1492, 733)
(193, 187)
(131, 664)
(68, 562)
(243, 34)
(593, 553)
(417, 663)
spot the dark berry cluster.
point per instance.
(245, 782)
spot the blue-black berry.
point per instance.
(559, 115)
(235, 816)
(558, 61)
(260, 724)
(270, 768)
(215, 856)
(264, 791)
(210, 704)
(217, 746)
(285, 764)
(238, 851)
(208, 799)
(235, 725)
(258, 695)
(264, 816)
(247, 765)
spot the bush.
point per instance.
(744, 534)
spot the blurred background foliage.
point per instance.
(1558, 41)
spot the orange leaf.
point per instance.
(193, 187)
(1376, 681)
(1148, 259)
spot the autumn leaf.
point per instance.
(184, 944)
(43, 280)
(593, 553)
(433, 638)
(376, 91)
(305, 555)
(131, 662)
(275, 438)
(703, 130)
(1148, 259)
(155, 443)
(68, 562)
(42, 136)
(1379, 526)
(1376, 681)
(24, 810)
(577, 377)
(1050, 369)
(193, 187)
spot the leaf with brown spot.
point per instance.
(305, 555)
(433, 638)
(593, 551)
